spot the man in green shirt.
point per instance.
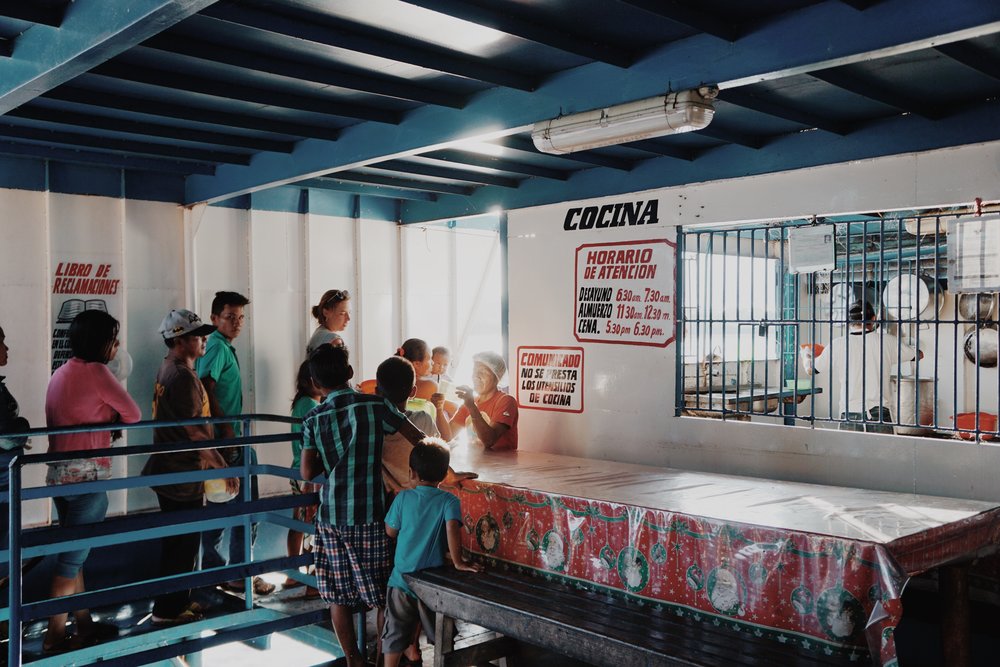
(219, 371)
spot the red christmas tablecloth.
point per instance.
(836, 594)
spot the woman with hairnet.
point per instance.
(490, 414)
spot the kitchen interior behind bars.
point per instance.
(883, 323)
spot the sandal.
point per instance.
(190, 615)
(260, 587)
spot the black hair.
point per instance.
(861, 312)
(429, 460)
(223, 299)
(441, 349)
(414, 349)
(330, 367)
(395, 377)
(303, 382)
(91, 334)
(330, 298)
(171, 343)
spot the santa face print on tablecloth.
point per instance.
(488, 534)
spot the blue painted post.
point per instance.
(14, 584)
(247, 524)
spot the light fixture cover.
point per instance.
(683, 111)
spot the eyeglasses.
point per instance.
(232, 317)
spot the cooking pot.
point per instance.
(981, 345)
(916, 405)
(911, 295)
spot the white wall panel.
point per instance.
(629, 392)
(428, 275)
(278, 258)
(378, 306)
(24, 316)
(154, 270)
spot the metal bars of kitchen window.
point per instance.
(892, 350)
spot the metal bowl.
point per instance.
(981, 345)
(976, 306)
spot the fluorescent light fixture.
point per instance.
(684, 111)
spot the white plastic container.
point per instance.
(216, 492)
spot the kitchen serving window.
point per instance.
(880, 323)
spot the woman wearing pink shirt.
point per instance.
(83, 391)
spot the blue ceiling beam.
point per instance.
(972, 57)
(45, 13)
(122, 145)
(719, 133)
(405, 183)
(129, 71)
(815, 37)
(127, 162)
(465, 158)
(749, 99)
(344, 35)
(147, 129)
(338, 185)
(865, 85)
(90, 33)
(550, 35)
(797, 150)
(448, 173)
(659, 148)
(101, 100)
(272, 63)
(689, 16)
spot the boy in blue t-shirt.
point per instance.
(424, 521)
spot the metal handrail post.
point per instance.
(247, 524)
(14, 573)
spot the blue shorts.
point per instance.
(75, 511)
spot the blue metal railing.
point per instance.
(131, 528)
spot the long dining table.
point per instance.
(823, 566)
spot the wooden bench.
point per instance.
(587, 625)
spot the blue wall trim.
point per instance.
(22, 173)
(85, 180)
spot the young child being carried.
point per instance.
(424, 520)
(343, 437)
